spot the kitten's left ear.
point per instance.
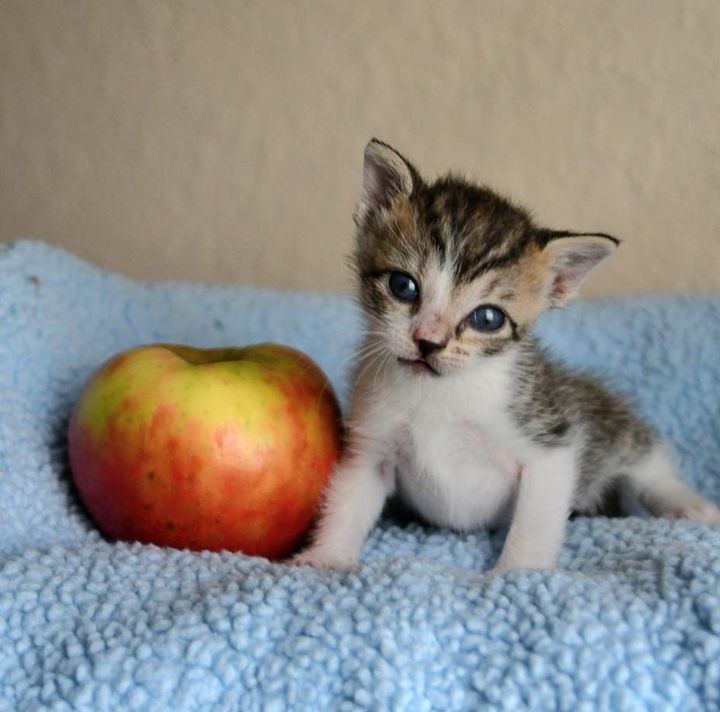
(572, 257)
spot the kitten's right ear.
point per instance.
(572, 255)
(387, 175)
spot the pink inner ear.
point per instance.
(559, 287)
(376, 186)
(569, 275)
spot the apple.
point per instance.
(206, 449)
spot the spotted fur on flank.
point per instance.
(456, 410)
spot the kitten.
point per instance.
(455, 408)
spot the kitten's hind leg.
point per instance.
(655, 481)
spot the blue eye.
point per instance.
(487, 318)
(403, 287)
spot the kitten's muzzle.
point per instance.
(427, 348)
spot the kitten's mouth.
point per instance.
(419, 366)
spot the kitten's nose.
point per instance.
(428, 347)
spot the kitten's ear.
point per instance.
(386, 176)
(572, 257)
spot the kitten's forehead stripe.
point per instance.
(470, 268)
(429, 218)
(472, 226)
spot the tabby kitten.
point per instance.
(455, 408)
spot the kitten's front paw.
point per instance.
(495, 571)
(323, 559)
(501, 568)
(506, 564)
(699, 510)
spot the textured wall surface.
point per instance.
(222, 140)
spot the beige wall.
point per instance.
(222, 141)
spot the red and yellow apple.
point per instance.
(206, 449)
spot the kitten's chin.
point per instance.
(418, 367)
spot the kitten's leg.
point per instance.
(543, 503)
(659, 488)
(352, 504)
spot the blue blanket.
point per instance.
(630, 622)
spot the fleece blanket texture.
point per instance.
(631, 621)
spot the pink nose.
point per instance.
(430, 335)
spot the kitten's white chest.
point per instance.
(454, 471)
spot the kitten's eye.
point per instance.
(403, 287)
(487, 318)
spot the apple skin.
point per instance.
(219, 449)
